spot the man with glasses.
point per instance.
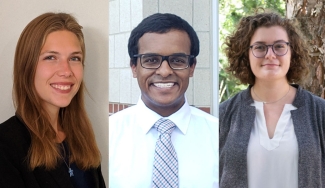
(162, 141)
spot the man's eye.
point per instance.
(151, 60)
(177, 60)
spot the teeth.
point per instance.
(61, 87)
(163, 85)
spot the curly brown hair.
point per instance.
(237, 47)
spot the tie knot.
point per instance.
(165, 126)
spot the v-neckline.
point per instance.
(260, 124)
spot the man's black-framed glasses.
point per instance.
(154, 61)
(279, 49)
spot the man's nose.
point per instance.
(164, 70)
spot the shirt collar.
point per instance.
(147, 117)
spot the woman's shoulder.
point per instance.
(14, 132)
(12, 119)
(12, 124)
(305, 97)
(243, 95)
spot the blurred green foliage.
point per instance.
(230, 12)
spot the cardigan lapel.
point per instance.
(247, 117)
(309, 156)
(237, 142)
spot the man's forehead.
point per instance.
(165, 32)
(168, 43)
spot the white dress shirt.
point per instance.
(273, 162)
(132, 141)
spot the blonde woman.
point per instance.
(49, 142)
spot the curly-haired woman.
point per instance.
(271, 134)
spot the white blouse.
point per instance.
(273, 163)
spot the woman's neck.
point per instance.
(270, 92)
(54, 120)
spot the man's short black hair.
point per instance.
(162, 23)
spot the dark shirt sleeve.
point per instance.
(9, 175)
(14, 145)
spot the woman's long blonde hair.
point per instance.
(44, 151)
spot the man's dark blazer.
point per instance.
(14, 173)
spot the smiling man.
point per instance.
(162, 141)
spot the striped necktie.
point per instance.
(165, 171)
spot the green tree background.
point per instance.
(231, 11)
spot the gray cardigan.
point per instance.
(236, 118)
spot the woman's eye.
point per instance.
(259, 47)
(75, 59)
(279, 46)
(49, 58)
